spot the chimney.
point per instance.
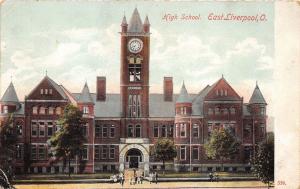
(101, 88)
(168, 88)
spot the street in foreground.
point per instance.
(241, 184)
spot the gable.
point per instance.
(47, 89)
(221, 90)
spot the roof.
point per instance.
(183, 96)
(57, 87)
(135, 24)
(197, 104)
(124, 21)
(246, 111)
(85, 96)
(146, 22)
(10, 94)
(257, 97)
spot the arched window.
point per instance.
(137, 131)
(58, 111)
(51, 110)
(42, 110)
(35, 110)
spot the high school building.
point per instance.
(122, 128)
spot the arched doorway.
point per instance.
(134, 157)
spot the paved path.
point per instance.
(239, 184)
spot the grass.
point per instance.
(197, 175)
(104, 175)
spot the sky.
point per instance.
(77, 41)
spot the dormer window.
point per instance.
(5, 109)
(85, 109)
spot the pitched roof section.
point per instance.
(56, 87)
(183, 96)
(135, 24)
(124, 21)
(146, 22)
(85, 96)
(197, 106)
(257, 97)
(10, 94)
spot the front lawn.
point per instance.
(198, 175)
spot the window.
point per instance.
(225, 92)
(195, 130)
(104, 131)
(247, 131)
(104, 152)
(195, 152)
(210, 111)
(34, 129)
(42, 110)
(19, 129)
(50, 91)
(35, 110)
(221, 93)
(163, 131)
(137, 131)
(5, 109)
(182, 130)
(248, 150)
(155, 131)
(41, 129)
(112, 131)
(135, 72)
(217, 111)
(134, 105)
(85, 109)
(42, 152)
(51, 111)
(46, 91)
(225, 111)
(97, 152)
(217, 92)
(42, 91)
(111, 152)
(262, 130)
(84, 152)
(171, 131)
(177, 130)
(85, 129)
(19, 154)
(58, 111)
(97, 131)
(262, 110)
(232, 110)
(130, 131)
(210, 129)
(50, 129)
(33, 152)
(182, 152)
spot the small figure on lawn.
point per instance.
(211, 176)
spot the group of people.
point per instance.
(136, 179)
(153, 177)
(213, 177)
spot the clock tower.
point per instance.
(134, 81)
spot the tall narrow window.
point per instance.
(42, 152)
(182, 130)
(262, 130)
(171, 131)
(104, 131)
(84, 152)
(134, 105)
(130, 131)
(210, 129)
(33, 152)
(135, 68)
(85, 129)
(35, 110)
(262, 111)
(112, 131)
(51, 110)
(34, 129)
(104, 152)
(5, 109)
(112, 152)
(58, 111)
(195, 130)
(195, 152)
(232, 110)
(163, 131)
(137, 131)
(42, 110)
(50, 129)
(210, 111)
(97, 152)
(41, 129)
(20, 150)
(85, 109)
(155, 131)
(19, 129)
(97, 131)
(182, 152)
(177, 130)
(42, 91)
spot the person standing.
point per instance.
(156, 177)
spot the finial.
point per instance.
(222, 76)
(256, 83)
(46, 72)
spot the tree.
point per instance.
(8, 140)
(221, 145)
(67, 142)
(164, 150)
(263, 160)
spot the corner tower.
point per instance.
(134, 77)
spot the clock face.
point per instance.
(135, 45)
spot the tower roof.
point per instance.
(135, 24)
(85, 96)
(124, 21)
(183, 96)
(146, 22)
(10, 94)
(257, 97)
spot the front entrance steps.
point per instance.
(129, 174)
